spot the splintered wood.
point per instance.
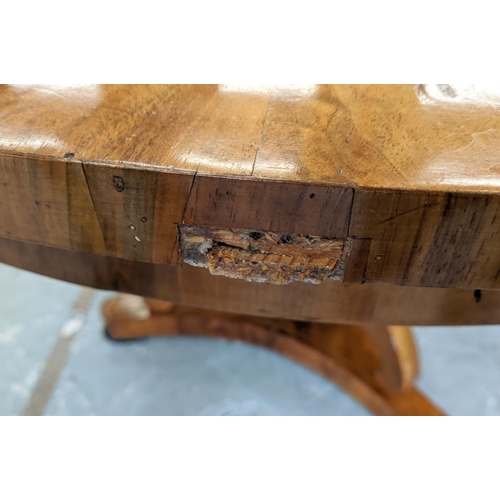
(264, 256)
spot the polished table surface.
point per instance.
(416, 137)
(406, 178)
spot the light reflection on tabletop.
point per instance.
(75, 95)
(430, 137)
(459, 95)
(284, 92)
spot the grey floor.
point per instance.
(55, 360)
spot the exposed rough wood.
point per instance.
(264, 256)
(270, 268)
(330, 301)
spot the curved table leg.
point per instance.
(376, 365)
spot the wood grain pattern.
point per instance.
(273, 206)
(373, 136)
(411, 171)
(138, 211)
(120, 211)
(423, 239)
(328, 302)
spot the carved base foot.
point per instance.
(376, 365)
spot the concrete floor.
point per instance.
(55, 360)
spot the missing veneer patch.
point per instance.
(264, 256)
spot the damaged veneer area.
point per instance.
(264, 256)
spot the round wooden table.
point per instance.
(308, 219)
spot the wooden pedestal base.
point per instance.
(376, 365)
